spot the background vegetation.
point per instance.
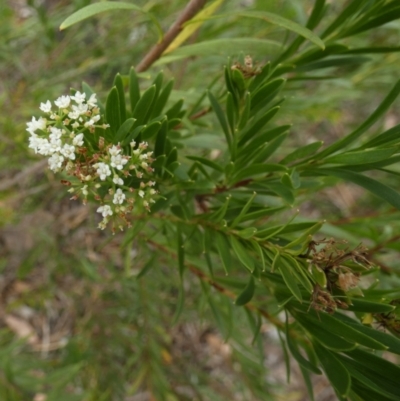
(86, 317)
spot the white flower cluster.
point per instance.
(98, 169)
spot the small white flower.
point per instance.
(103, 170)
(105, 210)
(118, 162)
(77, 111)
(145, 204)
(63, 102)
(79, 97)
(75, 125)
(89, 123)
(119, 197)
(56, 133)
(96, 118)
(151, 183)
(68, 151)
(34, 125)
(141, 193)
(144, 164)
(45, 107)
(55, 162)
(133, 144)
(152, 191)
(55, 145)
(117, 180)
(114, 150)
(84, 190)
(78, 140)
(92, 102)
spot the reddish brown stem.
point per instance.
(191, 9)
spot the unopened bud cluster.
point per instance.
(99, 170)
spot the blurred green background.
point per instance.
(75, 322)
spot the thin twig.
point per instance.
(191, 9)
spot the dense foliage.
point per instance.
(226, 208)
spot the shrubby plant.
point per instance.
(228, 214)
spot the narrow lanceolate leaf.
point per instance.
(223, 247)
(93, 9)
(285, 23)
(243, 211)
(290, 279)
(347, 140)
(180, 251)
(293, 348)
(389, 137)
(257, 169)
(302, 152)
(334, 369)
(242, 253)
(361, 157)
(162, 99)
(348, 332)
(312, 230)
(113, 114)
(134, 91)
(223, 47)
(247, 294)
(360, 305)
(121, 93)
(376, 187)
(207, 163)
(124, 130)
(143, 105)
(392, 343)
(221, 118)
(151, 130)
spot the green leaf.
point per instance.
(293, 348)
(391, 342)
(361, 305)
(223, 248)
(134, 91)
(334, 369)
(382, 19)
(159, 147)
(97, 8)
(162, 99)
(247, 294)
(230, 112)
(175, 110)
(289, 278)
(223, 47)
(124, 130)
(389, 137)
(305, 236)
(247, 233)
(256, 126)
(301, 152)
(94, 9)
(246, 207)
(143, 106)
(269, 150)
(326, 338)
(265, 94)
(121, 93)
(207, 163)
(349, 10)
(180, 250)
(219, 214)
(151, 130)
(221, 118)
(348, 332)
(285, 23)
(347, 140)
(242, 253)
(257, 169)
(376, 187)
(113, 113)
(360, 157)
